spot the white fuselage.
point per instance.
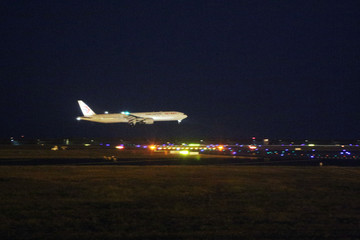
(124, 118)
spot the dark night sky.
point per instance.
(276, 69)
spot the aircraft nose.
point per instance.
(185, 116)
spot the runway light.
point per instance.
(152, 147)
(220, 148)
(184, 152)
(252, 147)
(120, 147)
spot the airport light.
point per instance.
(184, 152)
(152, 147)
(119, 147)
(220, 148)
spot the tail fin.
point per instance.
(85, 109)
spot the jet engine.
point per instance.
(148, 121)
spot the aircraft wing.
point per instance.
(132, 119)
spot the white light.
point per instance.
(78, 118)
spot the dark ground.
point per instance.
(179, 202)
(85, 193)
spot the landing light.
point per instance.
(78, 118)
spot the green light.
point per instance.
(185, 152)
(194, 145)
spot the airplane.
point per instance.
(127, 117)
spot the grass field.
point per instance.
(179, 202)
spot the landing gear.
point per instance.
(132, 122)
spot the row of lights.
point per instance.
(154, 147)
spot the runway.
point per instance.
(241, 155)
(176, 161)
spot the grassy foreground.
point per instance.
(179, 202)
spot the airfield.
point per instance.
(137, 192)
